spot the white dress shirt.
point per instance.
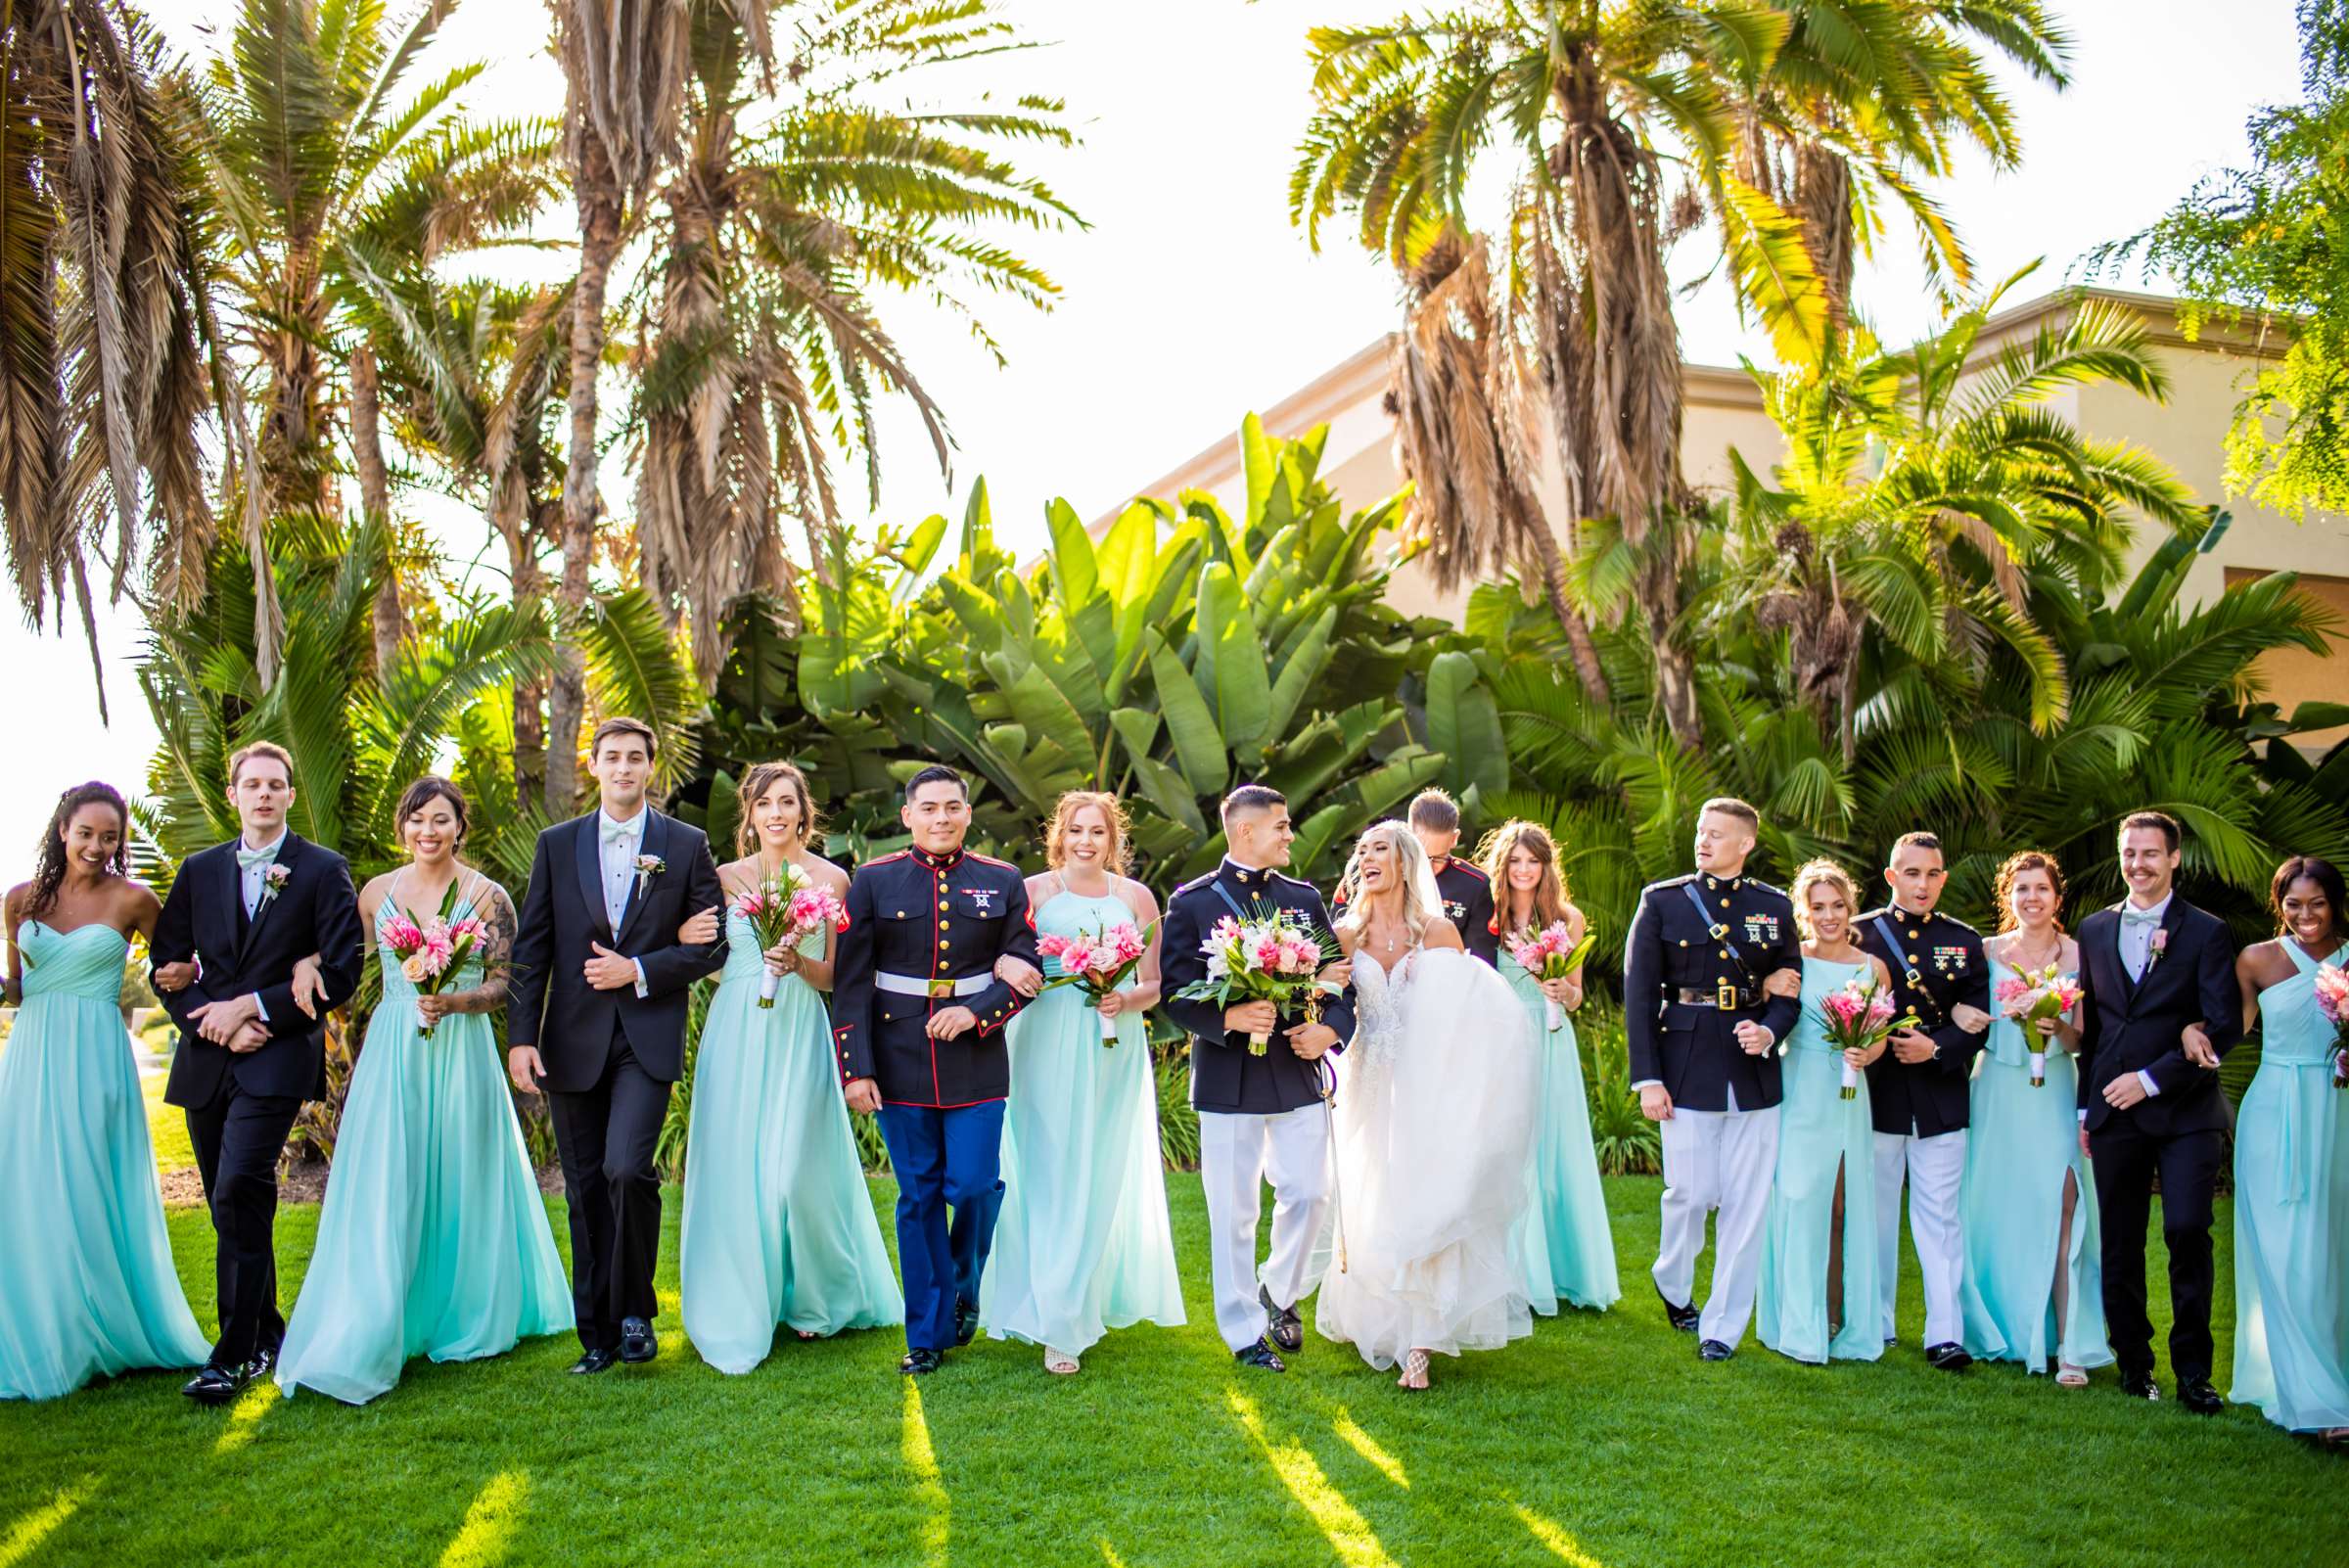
(250, 876)
(617, 844)
(2136, 951)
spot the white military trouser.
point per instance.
(1237, 1152)
(1935, 1169)
(1717, 1160)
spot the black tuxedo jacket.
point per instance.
(315, 911)
(2134, 1026)
(562, 918)
(1225, 1075)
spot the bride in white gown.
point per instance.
(1434, 1113)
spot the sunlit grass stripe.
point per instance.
(1349, 1534)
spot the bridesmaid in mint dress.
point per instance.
(1569, 1249)
(2032, 1288)
(779, 1226)
(2291, 1170)
(1083, 1244)
(1815, 1292)
(89, 1288)
(433, 1240)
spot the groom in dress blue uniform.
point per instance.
(1703, 1036)
(598, 1021)
(2160, 1008)
(1259, 1116)
(1919, 1090)
(251, 909)
(918, 1015)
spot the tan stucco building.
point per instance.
(1723, 409)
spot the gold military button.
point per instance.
(1724, 904)
(901, 914)
(941, 942)
(1683, 942)
(1725, 953)
(941, 904)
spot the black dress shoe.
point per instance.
(921, 1362)
(1260, 1354)
(2197, 1395)
(1948, 1357)
(593, 1362)
(2139, 1386)
(966, 1321)
(637, 1342)
(217, 1385)
(263, 1362)
(1713, 1350)
(1682, 1319)
(1282, 1323)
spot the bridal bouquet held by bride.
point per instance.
(1434, 1113)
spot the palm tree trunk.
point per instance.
(375, 500)
(1553, 563)
(530, 691)
(1659, 592)
(599, 244)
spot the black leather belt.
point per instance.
(1725, 997)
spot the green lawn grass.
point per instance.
(1601, 1440)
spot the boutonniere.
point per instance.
(648, 866)
(2161, 942)
(273, 883)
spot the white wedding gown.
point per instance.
(1434, 1122)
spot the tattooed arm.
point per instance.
(496, 954)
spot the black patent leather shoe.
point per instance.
(1282, 1323)
(263, 1362)
(637, 1342)
(1948, 1357)
(2197, 1395)
(1713, 1350)
(2139, 1386)
(1682, 1319)
(921, 1362)
(217, 1385)
(966, 1321)
(1259, 1355)
(593, 1362)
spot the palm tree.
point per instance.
(109, 358)
(764, 350)
(1928, 495)
(336, 184)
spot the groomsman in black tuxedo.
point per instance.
(248, 911)
(598, 1021)
(2160, 1009)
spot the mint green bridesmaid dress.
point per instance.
(1569, 1248)
(2291, 1215)
(779, 1225)
(1818, 1133)
(1082, 1243)
(433, 1240)
(90, 1289)
(2020, 1144)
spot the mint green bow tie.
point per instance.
(2140, 917)
(246, 859)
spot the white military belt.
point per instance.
(915, 986)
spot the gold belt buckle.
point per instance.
(942, 988)
(1725, 995)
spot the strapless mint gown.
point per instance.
(90, 1289)
(1568, 1246)
(433, 1240)
(1081, 1243)
(1819, 1134)
(2292, 1216)
(778, 1226)
(2020, 1145)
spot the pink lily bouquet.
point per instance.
(784, 908)
(1276, 959)
(1858, 1017)
(431, 953)
(1550, 954)
(2332, 1000)
(2035, 995)
(1097, 962)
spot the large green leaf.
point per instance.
(1199, 749)
(1465, 723)
(1243, 691)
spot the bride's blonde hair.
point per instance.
(1420, 903)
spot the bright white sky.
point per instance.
(1191, 300)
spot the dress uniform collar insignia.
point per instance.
(1247, 876)
(939, 862)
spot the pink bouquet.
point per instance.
(2332, 1000)
(1097, 962)
(1276, 959)
(431, 953)
(2034, 994)
(784, 908)
(1550, 954)
(1858, 1017)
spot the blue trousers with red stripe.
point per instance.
(943, 1159)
